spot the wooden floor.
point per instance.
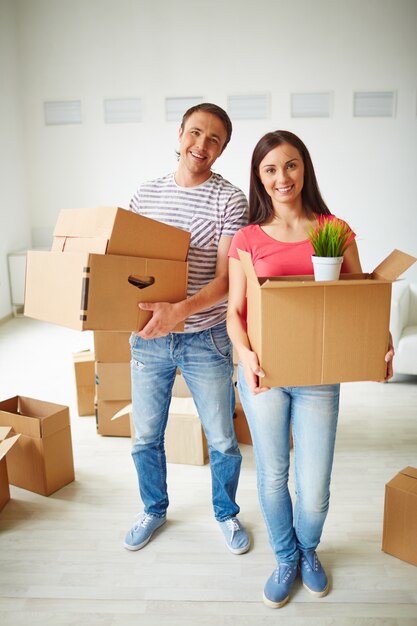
(62, 560)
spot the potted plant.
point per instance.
(329, 238)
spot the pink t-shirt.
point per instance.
(275, 258)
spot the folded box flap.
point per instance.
(4, 431)
(394, 265)
(246, 260)
(122, 412)
(6, 445)
(410, 471)
(91, 222)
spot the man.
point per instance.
(202, 202)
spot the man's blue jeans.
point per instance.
(312, 413)
(205, 360)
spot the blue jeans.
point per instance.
(205, 360)
(312, 413)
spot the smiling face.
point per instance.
(282, 174)
(201, 142)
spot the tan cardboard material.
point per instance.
(113, 230)
(106, 424)
(314, 333)
(185, 441)
(400, 516)
(241, 425)
(85, 381)
(113, 381)
(41, 461)
(95, 291)
(111, 347)
(180, 388)
(5, 446)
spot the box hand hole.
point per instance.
(141, 282)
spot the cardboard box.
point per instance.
(97, 292)
(85, 381)
(400, 516)
(104, 261)
(113, 381)
(315, 333)
(112, 230)
(112, 347)
(180, 388)
(105, 412)
(5, 446)
(185, 441)
(241, 425)
(41, 460)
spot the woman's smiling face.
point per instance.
(282, 174)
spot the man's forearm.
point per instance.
(206, 297)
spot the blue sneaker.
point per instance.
(237, 539)
(278, 586)
(313, 575)
(139, 535)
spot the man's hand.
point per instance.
(164, 319)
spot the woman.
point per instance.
(284, 201)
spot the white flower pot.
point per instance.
(326, 267)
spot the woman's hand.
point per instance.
(253, 373)
(389, 358)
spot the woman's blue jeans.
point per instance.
(312, 413)
(205, 360)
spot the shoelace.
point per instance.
(143, 521)
(233, 525)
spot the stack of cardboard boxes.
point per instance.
(103, 262)
(112, 378)
(84, 381)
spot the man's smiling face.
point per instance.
(201, 143)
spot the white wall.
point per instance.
(95, 49)
(14, 215)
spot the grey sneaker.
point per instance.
(139, 535)
(237, 539)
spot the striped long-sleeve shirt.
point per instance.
(209, 211)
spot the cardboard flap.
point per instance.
(92, 222)
(246, 260)
(4, 431)
(122, 412)
(394, 265)
(6, 445)
(410, 471)
(83, 356)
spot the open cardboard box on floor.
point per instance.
(315, 333)
(400, 516)
(103, 263)
(5, 446)
(41, 460)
